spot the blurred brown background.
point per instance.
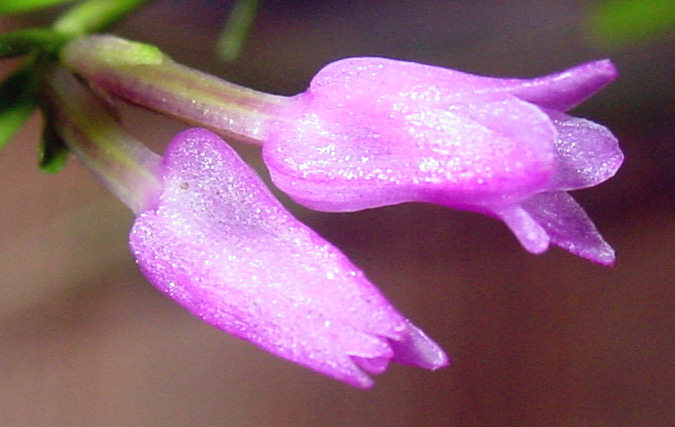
(535, 340)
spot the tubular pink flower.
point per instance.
(370, 132)
(221, 245)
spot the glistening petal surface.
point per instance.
(371, 132)
(222, 246)
(587, 153)
(366, 136)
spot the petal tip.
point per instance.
(609, 68)
(419, 350)
(601, 71)
(604, 256)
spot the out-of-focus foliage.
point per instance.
(29, 40)
(53, 150)
(19, 92)
(236, 28)
(95, 15)
(616, 23)
(23, 6)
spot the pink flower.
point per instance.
(221, 245)
(371, 132)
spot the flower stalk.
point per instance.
(143, 75)
(90, 130)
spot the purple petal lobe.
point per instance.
(375, 365)
(587, 153)
(223, 247)
(568, 226)
(565, 90)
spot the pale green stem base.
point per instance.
(143, 75)
(89, 129)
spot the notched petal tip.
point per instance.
(375, 365)
(413, 347)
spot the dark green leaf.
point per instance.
(18, 98)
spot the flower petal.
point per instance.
(569, 226)
(223, 247)
(475, 151)
(564, 90)
(587, 153)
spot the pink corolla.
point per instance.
(210, 235)
(370, 132)
(221, 245)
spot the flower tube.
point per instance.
(143, 75)
(211, 236)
